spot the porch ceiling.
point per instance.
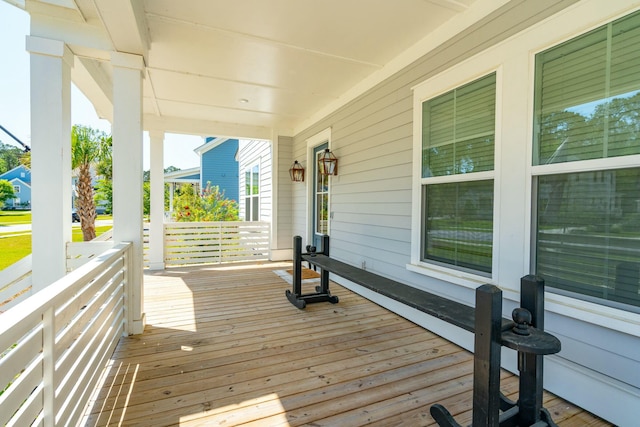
(246, 68)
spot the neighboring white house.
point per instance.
(254, 160)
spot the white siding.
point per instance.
(371, 200)
(251, 153)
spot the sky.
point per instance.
(15, 102)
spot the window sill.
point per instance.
(600, 315)
(467, 280)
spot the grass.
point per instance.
(15, 217)
(15, 246)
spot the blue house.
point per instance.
(219, 165)
(20, 178)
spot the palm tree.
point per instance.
(88, 147)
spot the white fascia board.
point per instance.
(16, 168)
(18, 180)
(181, 173)
(209, 145)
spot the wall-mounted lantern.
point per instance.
(328, 163)
(296, 172)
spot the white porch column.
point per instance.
(127, 175)
(156, 228)
(51, 62)
(281, 194)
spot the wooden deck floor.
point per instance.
(224, 347)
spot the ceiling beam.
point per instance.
(94, 82)
(125, 23)
(205, 127)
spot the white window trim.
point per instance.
(250, 169)
(312, 142)
(590, 312)
(460, 75)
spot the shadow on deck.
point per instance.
(224, 346)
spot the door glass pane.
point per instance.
(588, 239)
(321, 208)
(458, 224)
(322, 215)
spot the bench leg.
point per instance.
(486, 359)
(322, 293)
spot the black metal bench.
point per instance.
(524, 333)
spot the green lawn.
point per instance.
(15, 217)
(18, 245)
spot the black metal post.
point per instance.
(529, 364)
(297, 265)
(324, 274)
(486, 361)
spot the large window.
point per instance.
(252, 194)
(585, 164)
(458, 139)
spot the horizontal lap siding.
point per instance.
(372, 137)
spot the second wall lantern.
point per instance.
(327, 163)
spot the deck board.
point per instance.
(223, 346)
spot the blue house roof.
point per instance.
(21, 172)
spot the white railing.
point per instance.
(215, 242)
(80, 253)
(15, 283)
(55, 344)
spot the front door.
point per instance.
(320, 200)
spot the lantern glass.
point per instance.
(296, 172)
(328, 163)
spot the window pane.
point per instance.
(255, 183)
(587, 95)
(458, 224)
(588, 239)
(322, 214)
(458, 130)
(247, 208)
(255, 209)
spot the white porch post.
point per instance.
(156, 228)
(127, 175)
(281, 194)
(51, 62)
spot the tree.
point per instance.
(6, 191)
(9, 157)
(88, 147)
(210, 206)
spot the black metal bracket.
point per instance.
(322, 294)
(525, 335)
